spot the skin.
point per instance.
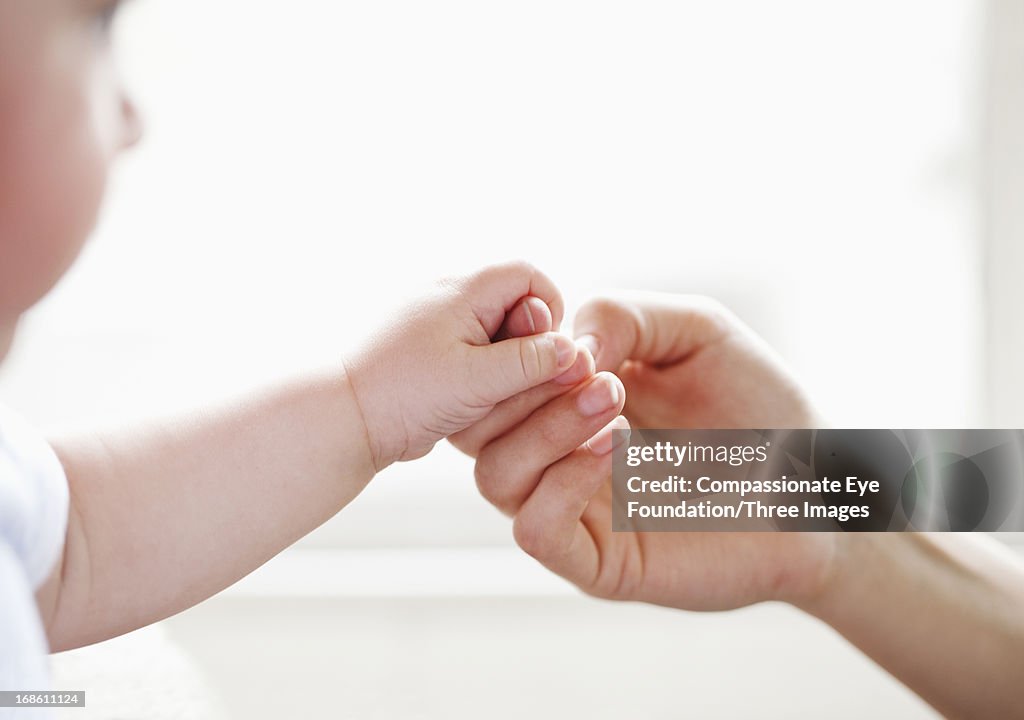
(63, 119)
(941, 612)
(236, 484)
(531, 462)
(172, 511)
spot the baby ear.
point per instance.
(529, 316)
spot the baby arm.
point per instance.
(165, 516)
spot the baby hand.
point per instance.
(440, 366)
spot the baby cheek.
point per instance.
(53, 169)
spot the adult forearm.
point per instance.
(163, 517)
(944, 613)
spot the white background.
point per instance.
(818, 166)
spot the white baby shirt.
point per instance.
(33, 524)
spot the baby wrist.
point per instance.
(378, 456)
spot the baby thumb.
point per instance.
(503, 369)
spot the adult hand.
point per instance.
(688, 362)
(940, 611)
(684, 361)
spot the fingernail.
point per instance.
(607, 439)
(566, 350)
(591, 343)
(529, 317)
(580, 369)
(602, 394)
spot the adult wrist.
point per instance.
(827, 588)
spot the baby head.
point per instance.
(63, 119)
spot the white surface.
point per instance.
(569, 657)
(401, 572)
(140, 676)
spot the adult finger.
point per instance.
(651, 327)
(509, 468)
(548, 525)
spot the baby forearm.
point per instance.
(164, 517)
(944, 613)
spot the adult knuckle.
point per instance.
(465, 443)
(716, 317)
(483, 473)
(529, 535)
(611, 311)
(601, 306)
(489, 481)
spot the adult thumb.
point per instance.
(655, 328)
(503, 369)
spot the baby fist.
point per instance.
(437, 367)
